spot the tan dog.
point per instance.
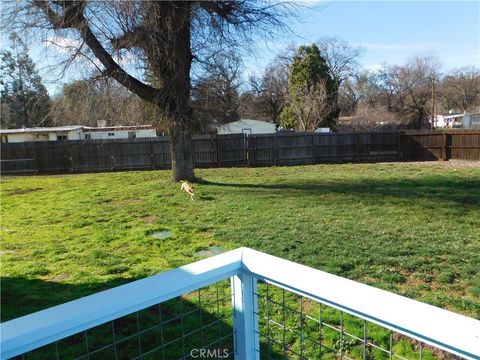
(187, 188)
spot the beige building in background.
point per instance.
(76, 132)
(247, 126)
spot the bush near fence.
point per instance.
(239, 150)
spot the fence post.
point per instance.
(152, 154)
(400, 146)
(111, 157)
(217, 149)
(313, 147)
(246, 146)
(358, 147)
(251, 150)
(444, 146)
(275, 149)
(35, 159)
(245, 310)
(70, 158)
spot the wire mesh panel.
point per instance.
(268, 321)
(294, 327)
(181, 328)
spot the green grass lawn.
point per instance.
(413, 229)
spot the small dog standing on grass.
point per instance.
(188, 188)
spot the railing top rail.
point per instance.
(443, 329)
(446, 330)
(44, 327)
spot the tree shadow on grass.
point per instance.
(21, 296)
(464, 192)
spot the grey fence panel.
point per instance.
(131, 155)
(205, 151)
(347, 147)
(239, 150)
(232, 150)
(381, 146)
(51, 157)
(294, 148)
(161, 153)
(261, 150)
(90, 156)
(17, 158)
(326, 150)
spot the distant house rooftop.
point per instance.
(119, 128)
(41, 129)
(247, 126)
(75, 127)
(77, 132)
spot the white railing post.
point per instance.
(245, 309)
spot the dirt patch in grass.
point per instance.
(121, 202)
(149, 219)
(414, 282)
(24, 191)
(126, 201)
(470, 202)
(61, 277)
(450, 164)
(439, 354)
(4, 252)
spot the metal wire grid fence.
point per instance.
(294, 327)
(290, 327)
(175, 329)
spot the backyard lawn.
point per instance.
(410, 228)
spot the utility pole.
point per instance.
(433, 104)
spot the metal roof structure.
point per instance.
(41, 129)
(74, 127)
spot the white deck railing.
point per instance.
(454, 333)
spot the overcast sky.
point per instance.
(388, 31)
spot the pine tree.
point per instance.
(313, 91)
(24, 99)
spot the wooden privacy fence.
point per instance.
(239, 150)
(427, 145)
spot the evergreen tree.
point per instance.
(24, 99)
(313, 91)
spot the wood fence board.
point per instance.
(240, 150)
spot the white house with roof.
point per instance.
(471, 120)
(119, 132)
(76, 132)
(465, 120)
(247, 126)
(42, 134)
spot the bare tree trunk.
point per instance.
(181, 150)
(175, 77)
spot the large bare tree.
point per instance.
(164, 36)
(407, 90)
(215, 93)
(461, 89)
(86, 102)
(271, 90)
(341, 57)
